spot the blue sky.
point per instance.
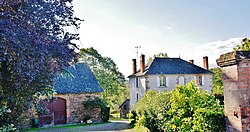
(191, 29)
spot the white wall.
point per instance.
(134, 90)
(173, 81)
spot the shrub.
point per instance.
(186, 108)
(150, 110)
(98, 103)
(86, 118)
(194, 110)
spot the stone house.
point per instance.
(72, 90)
(124, 108)
(164, 74)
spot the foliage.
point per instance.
(163, 55)
(244, 45)
(108, 75)
(141, 129)
(132, 117)
(150, 110)
(218, 88)
(105, 112)
(98, 103)
(186, 108)
(86, 118)
(33, 48)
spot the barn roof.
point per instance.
(80, 80)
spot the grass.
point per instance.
(63, 126)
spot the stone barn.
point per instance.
(124, 108)
(72, 90)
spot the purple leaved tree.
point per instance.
(34, 47)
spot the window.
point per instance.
(182, 80)
(137, 82)
(137, 97)
(200, 80)
(162, 81)
(195, 79)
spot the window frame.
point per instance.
(184, 82)
(162, 81)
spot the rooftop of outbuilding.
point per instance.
(80, 80)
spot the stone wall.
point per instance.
(75, 110)
(124, 108)
(236, 81)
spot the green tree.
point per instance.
(186, 108)
(194, 110)
(163, 55)
(33, 49)
(108, 75)
(218, 88)
(150, 110)
(244, 45)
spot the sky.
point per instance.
(187, 29)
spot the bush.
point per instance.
(186, 108)
(132, 117)
(105, 113)
(86, 118)
(194, 110)
(150, 110)
(98, 103)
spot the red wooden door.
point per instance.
(59, 109)
(57, 113)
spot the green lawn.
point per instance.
(62, 126)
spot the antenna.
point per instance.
(137, 49)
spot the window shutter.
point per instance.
(158, 81)
(135, 82)
(138, 82)
(194, 78)
(203, 80)
(167, 81)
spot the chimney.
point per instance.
(191, 61)
(134, 66)
(205, 62)
(142, 63)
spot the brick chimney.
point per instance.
(134, 66)
(142, 63)
(205, 62)
(191, 61)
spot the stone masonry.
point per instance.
(75, 110)
(236, 80)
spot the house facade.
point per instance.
(164, 74)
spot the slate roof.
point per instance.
(172, 66)
(81, 80)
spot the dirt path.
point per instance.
(114, 126)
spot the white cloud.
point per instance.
(213, 50)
